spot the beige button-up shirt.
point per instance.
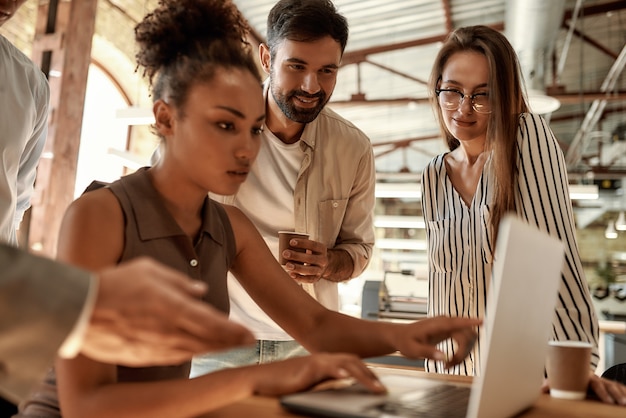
(333, 201)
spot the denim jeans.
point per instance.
(264, 352)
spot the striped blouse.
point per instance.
(460, 242)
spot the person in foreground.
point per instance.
(314, 173)
(47, 308)
(502, 158)
(209, 112)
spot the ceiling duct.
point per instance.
(532, 27)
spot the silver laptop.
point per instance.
(520, 308)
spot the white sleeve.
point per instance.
(32, 153)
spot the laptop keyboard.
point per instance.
(442, 401)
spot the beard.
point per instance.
(287, 104)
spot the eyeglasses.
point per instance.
(451, 99)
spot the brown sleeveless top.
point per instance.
(150, 230)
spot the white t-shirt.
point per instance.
(24, 100)
(266, 197)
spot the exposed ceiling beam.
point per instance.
(361, 100)
(572, 157)
(592, 42)
(575, 98)
(597, 9)
(396, 72)
(581, 114)
(360, 55)
(405, 142)
(564, 98)
(447, 12)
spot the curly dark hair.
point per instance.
(183, 42)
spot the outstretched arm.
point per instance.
(320, 329)
(88, 389)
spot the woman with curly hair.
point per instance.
(209, 113)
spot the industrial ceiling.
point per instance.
(572, 50)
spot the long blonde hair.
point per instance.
(507, 99)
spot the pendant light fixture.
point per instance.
(610, 232)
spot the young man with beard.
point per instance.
(314, 173)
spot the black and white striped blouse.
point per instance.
(460, 245)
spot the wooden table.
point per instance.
(261, 407)
(546, 406)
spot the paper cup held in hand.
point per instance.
(283, 243)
